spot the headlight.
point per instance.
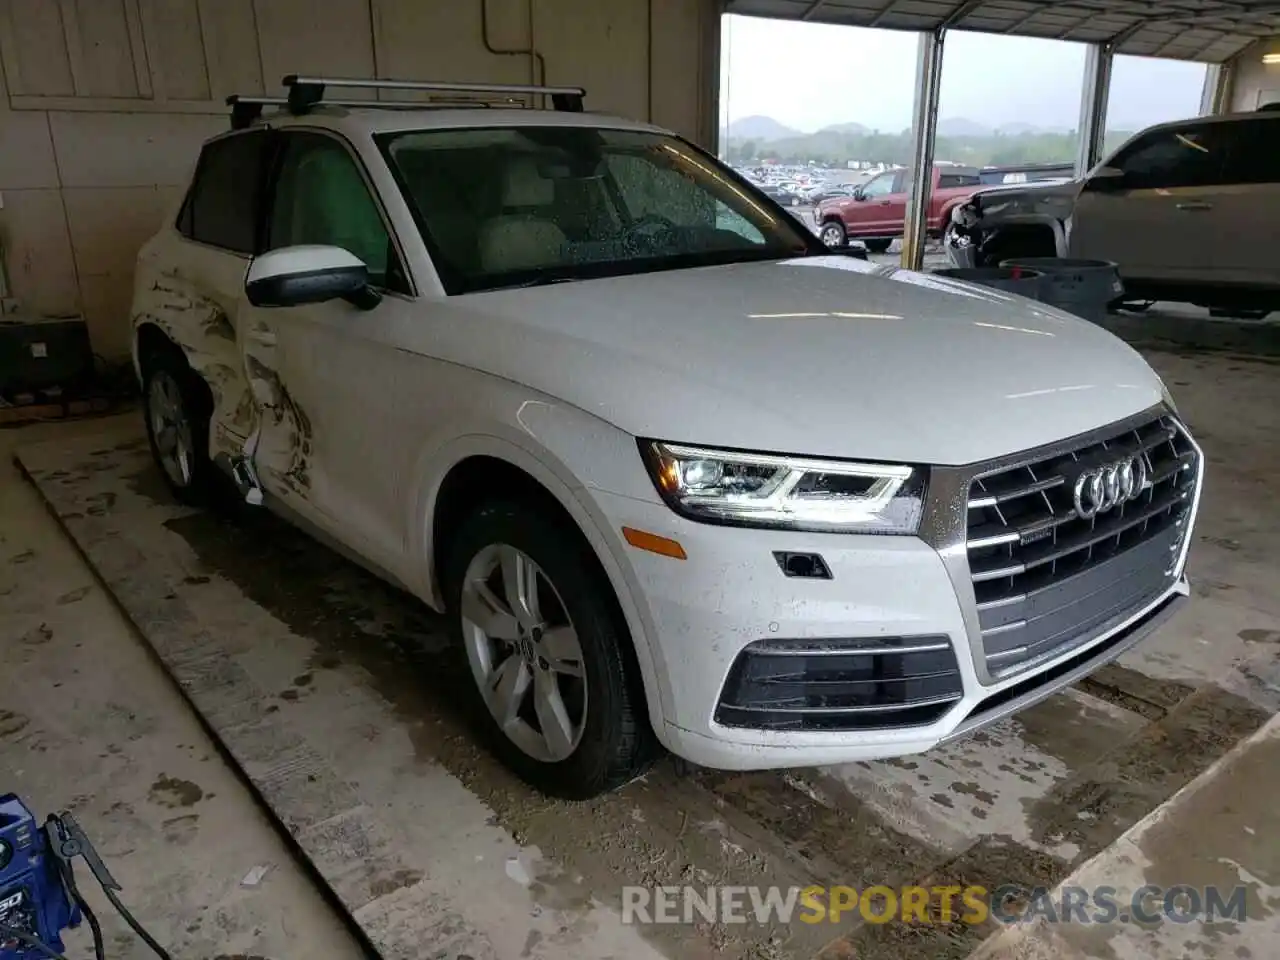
(762, 490)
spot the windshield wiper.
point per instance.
(535, 282)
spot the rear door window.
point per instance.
(1253, 155)
(223, 206)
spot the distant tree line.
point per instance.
(835, 148)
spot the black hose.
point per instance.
(30, 941)
(68, 876)
(149, 940)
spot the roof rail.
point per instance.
(306, 92)
(246, 110)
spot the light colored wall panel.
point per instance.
(100, 48)
(33, 232)
(603, 47)
(106, 300)
(298, 36)
(129, 149)
(26, 152)
(175, 49)
(442, 41)
(109, 224)
(34, 45)
(231, 47)
(107, 227)
(676, 45)
(1253, 77)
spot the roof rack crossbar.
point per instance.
(246, 110)
(306, 92)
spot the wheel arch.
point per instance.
(150, 338)
(475, 466)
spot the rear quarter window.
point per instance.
(1253, 152)
(223, 205)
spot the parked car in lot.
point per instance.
(1186, 209)
(877, 210)
(675, 472)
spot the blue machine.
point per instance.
(34, 900)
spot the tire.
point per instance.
(604, 739)
(177, 407)
(878, 245)
(832, 234)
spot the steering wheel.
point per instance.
(650, 230)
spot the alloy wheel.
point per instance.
(524, 652)
(832, 235)
(175, 448)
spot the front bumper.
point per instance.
(702, 613)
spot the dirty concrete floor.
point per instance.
(303, 662)
(90, 723)
(1217, 834)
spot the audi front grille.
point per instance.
(1066, 547)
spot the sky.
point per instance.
(811, 75)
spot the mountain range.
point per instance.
(767, 129)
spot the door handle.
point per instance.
(264, 337)
(885, 203)
(1192, 206)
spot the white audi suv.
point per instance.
(676, 473)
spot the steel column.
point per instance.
(1217, 86)
(925, 129)
(1093, 105)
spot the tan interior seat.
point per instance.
(523, 237)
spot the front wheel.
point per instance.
(178, 407)
(832, 234)
(549, 653)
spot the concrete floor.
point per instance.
(89, 722)
(341, 700)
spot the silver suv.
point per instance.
(1187, 209)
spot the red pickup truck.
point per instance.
(877, 210)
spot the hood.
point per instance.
(821, 356)
(1043, 198)
(1053, 184)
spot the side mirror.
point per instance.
(858, 194)
(294, 276)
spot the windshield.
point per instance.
(519, 206)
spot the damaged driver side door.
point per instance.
(308, 364)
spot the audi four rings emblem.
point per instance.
(1104, 488)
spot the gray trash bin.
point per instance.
(1022, 281)
(1082, 287)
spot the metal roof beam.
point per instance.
(960, 13)
(888, 9)
(812, 10)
